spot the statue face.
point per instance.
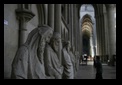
(56, 45)
(49, 36)
(68, 46)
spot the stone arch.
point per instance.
(97, 12)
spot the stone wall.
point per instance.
(10, 37)
(11, 34)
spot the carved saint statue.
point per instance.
(72, 56)
(77, 60)
(53, 66)
(28, 62)
(68, 72)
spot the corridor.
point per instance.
(88, 71)
(42, 39)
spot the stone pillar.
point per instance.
(72, 33)
(77, 29)
(103, 37)
(51, 15)
(104, 49)
(23, 15)
(57, 25)
(106, 36)
(80, 38)
(65, 11)
(112, 31)
(98, 35)
(94, 37)
(69, 22)
(46, 13)
(22, 31)
(91, 46)
(100, 42)
(74, 27)
(57, 18)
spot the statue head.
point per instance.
(55, 41)
(37, 38)
(67, 45)
(41, 33)
(46, 32)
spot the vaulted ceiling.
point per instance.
(86, 25)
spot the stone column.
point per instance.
(100, 42)
(106, 35)
(80, 38)
(91, 46)
(97, 51)
(51, 15)
(98, 38)
(94, 37)
(103, 37)
(23, 15)
(57, 18)
(78, 31)
(22, 31)
(65, 11)
(57, 25)
(74, 26)
(104, 40)
(71, 20)
(112, 31)
(46, 13)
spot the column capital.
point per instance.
(23, 13)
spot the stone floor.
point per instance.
(88, 71)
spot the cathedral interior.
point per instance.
(50, 41)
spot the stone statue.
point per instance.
(28, 62)
(53, 67)
(72, 56)
(68, 72)
(77, 60)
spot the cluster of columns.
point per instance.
(106, 33)
(54, 16)
(54, 20)
(112, 31)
